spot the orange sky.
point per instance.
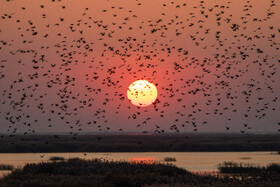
(204, 57)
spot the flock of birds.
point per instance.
(72, 73)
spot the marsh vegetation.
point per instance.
(98, 172)
(56, 158)
(233, 167)
(6, 167)
(169, 159)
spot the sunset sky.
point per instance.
(66, 65)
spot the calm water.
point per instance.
(192, 161)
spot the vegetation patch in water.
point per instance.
(170, 159)
(56, 158)
(6, 167)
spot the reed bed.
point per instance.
(80, 172)
(6, 167)
(170, 159)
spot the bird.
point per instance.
(52, 79)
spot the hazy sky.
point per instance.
(66, 65)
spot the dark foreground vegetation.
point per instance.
(240, 168)
(77, 172)
(140, 143)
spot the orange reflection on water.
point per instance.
(143, 160)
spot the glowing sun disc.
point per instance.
(142, 93)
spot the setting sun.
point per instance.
(142, 93)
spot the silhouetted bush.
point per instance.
(273, 168)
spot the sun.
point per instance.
(142, 93)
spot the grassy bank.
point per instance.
(78, 172)
(241, 168)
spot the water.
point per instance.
(191, 161)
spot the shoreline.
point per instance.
(140, 143)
